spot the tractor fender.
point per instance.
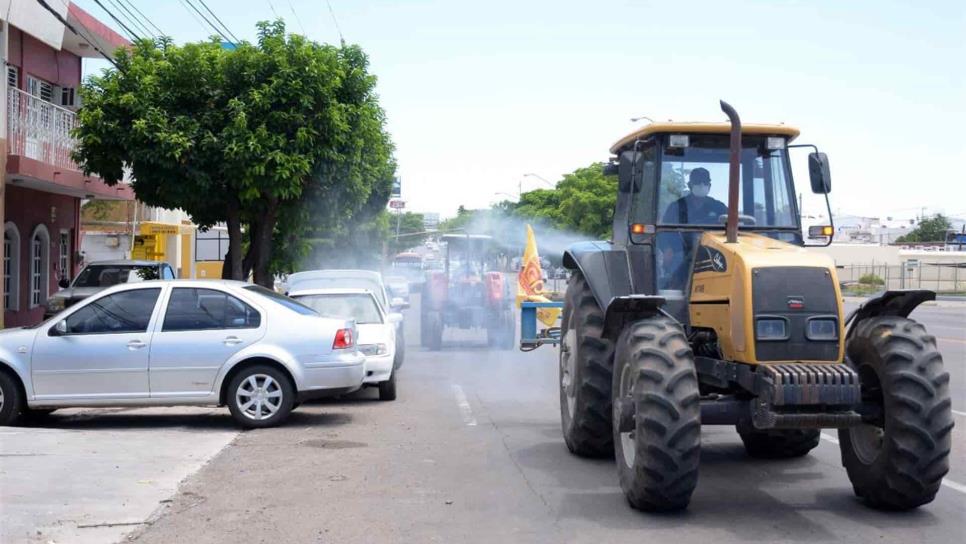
(605, 268)
(898, 303)
(625, 309)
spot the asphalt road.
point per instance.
(472, 452)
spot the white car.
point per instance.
(180, 342)
(355, 279)
(377, 330)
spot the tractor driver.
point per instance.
(695, 208)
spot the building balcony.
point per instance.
(39, 147)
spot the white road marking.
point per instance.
(955, 486)
(464, 405)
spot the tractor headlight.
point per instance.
(822, 328)
(771, 328)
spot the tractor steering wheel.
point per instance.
(742, 219)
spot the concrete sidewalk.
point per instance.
(94, 475)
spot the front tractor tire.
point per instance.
(778, 443)
(898, 460)
(586, 365)
(657, 415)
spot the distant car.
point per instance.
(355, 279)
(103, 274)
(377, 330)
(180, 342)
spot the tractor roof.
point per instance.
(700, 128)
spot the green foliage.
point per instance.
(583, 202)
(410, 230)
(932, 229)
(284, 137)
(871, 279)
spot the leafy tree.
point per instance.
(410, 229)
(932, 229)
(582, 202)
(278, 139)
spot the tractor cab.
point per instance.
(675, 179)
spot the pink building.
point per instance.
(42, 187)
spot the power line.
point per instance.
(70, 27)
(335, 21)
(118, 21)
(219, 20)
(135, 22)
(272, 7)
(297, 18)
(193, 16)
(212, 25)
(149, 21)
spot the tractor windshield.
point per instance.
(694, 183)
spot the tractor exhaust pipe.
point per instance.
(731, 227)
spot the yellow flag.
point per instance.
(530, 281)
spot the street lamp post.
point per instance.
(541, 178)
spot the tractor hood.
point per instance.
(761, 297)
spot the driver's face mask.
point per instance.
(701, 189)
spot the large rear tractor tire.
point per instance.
(586, 365)
(897, 461)
(657, 415)
(778, 443)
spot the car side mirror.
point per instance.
(64, 283)
(819, 173)
(59, 329)
(398, 303)
(395, 318)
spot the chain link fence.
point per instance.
(945, 277)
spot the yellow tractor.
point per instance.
(705, 309)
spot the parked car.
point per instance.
(355, 279)
(100, 275)
(377, 330)
(180, 342)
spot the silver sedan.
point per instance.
(184, 342)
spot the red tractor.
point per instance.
(471, 292)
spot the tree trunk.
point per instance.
(233, 259)
(261, 241)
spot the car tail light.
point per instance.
(343, 339)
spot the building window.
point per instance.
(64, 262)
(11, 267)
(39, 266)
(40, 88)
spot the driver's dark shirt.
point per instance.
(691, 210)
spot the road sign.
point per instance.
(397, 204)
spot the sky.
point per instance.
(478, 94)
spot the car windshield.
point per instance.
(341, 282)
(694, 184)
(359, 306)
(106, 275)
(281, 300)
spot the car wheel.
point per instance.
(11, 401)
(260, 396)
(387, 389)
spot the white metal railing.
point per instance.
(39, 130)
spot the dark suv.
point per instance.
(101, 275)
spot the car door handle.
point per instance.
(135, 344)
(233, 340)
